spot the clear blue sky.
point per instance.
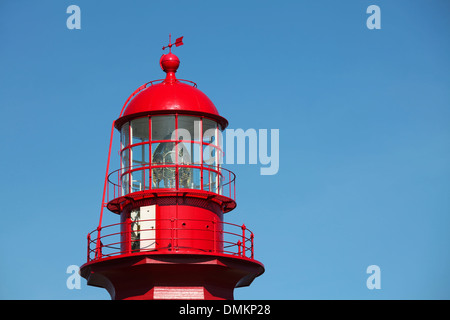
(364, 120)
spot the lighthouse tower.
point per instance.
(170, 194)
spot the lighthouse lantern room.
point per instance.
(170, 193)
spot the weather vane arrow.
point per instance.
(178, 42)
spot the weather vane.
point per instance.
(178, 42)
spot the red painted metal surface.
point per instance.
(185, 249)
(161, 276)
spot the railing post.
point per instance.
(214, 234)
(239, 247)
(119, 179)
(243, 240)
(229, 182)
(128, 243)
(98, 248)
(88, 247)
(251, 237)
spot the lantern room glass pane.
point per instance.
(163, 177)
(189, 178)
(188, 153)
(196, 155)
(221, 180)
(163, 153)
(210, 181)
(146, 179)
(219, 156)
(125, 160)
(209, 131)
(124, 135)
(185, 177)
(125, 184)
(196, 179)
(210, 155)
(139, 130)
(163, 128)
(184, 153)
(139, 155)
(137, 181)
(189, 128)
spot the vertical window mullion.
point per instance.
(176, 151)
(121, 162)
(217, 159)
(201, 152)
(130, 155)
(150, 151)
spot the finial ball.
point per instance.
(170, 62)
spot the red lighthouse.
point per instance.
(170, 194)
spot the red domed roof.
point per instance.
(175, 96)
(170, 96)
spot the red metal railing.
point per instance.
(211, 179)
(161, 80)
(222, 238)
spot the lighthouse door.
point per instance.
(143, 228)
